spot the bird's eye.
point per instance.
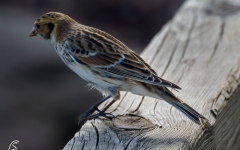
(50, 26)
(38, 26)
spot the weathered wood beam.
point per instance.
(200, 51)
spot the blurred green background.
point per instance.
(40, 98)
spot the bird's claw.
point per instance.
(84, 117)
(103, 114)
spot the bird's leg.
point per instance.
(86, 114)
(102, 112)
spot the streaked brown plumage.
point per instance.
(106, 63)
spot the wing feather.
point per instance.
(112, 57)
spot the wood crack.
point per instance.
(219, 39)
(139, 105)
(130, 105)
(126, 147)
(213, 110)
(170, 59)
(120, 102)
(160, 46)
(83, 145)
(73, 143)
(129, 141)
(97, 134)
(189, 34)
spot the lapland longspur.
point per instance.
(106, 63)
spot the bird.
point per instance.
(106, 64)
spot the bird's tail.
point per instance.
(192, 114)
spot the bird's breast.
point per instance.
(96, 77)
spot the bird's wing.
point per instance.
(103, 52)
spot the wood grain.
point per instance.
(198, 50)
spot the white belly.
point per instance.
(106, 86)
(84, 73)
(101, 82)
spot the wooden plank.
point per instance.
(199, 50)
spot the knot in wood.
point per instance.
(130, 122)
(222, 8)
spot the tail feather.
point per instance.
(192, 114)
(184, 108)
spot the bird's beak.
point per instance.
(33, 33)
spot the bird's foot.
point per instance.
(88, 115)
(103, 114)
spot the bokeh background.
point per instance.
(40, 98)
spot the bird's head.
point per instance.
(51, 23)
